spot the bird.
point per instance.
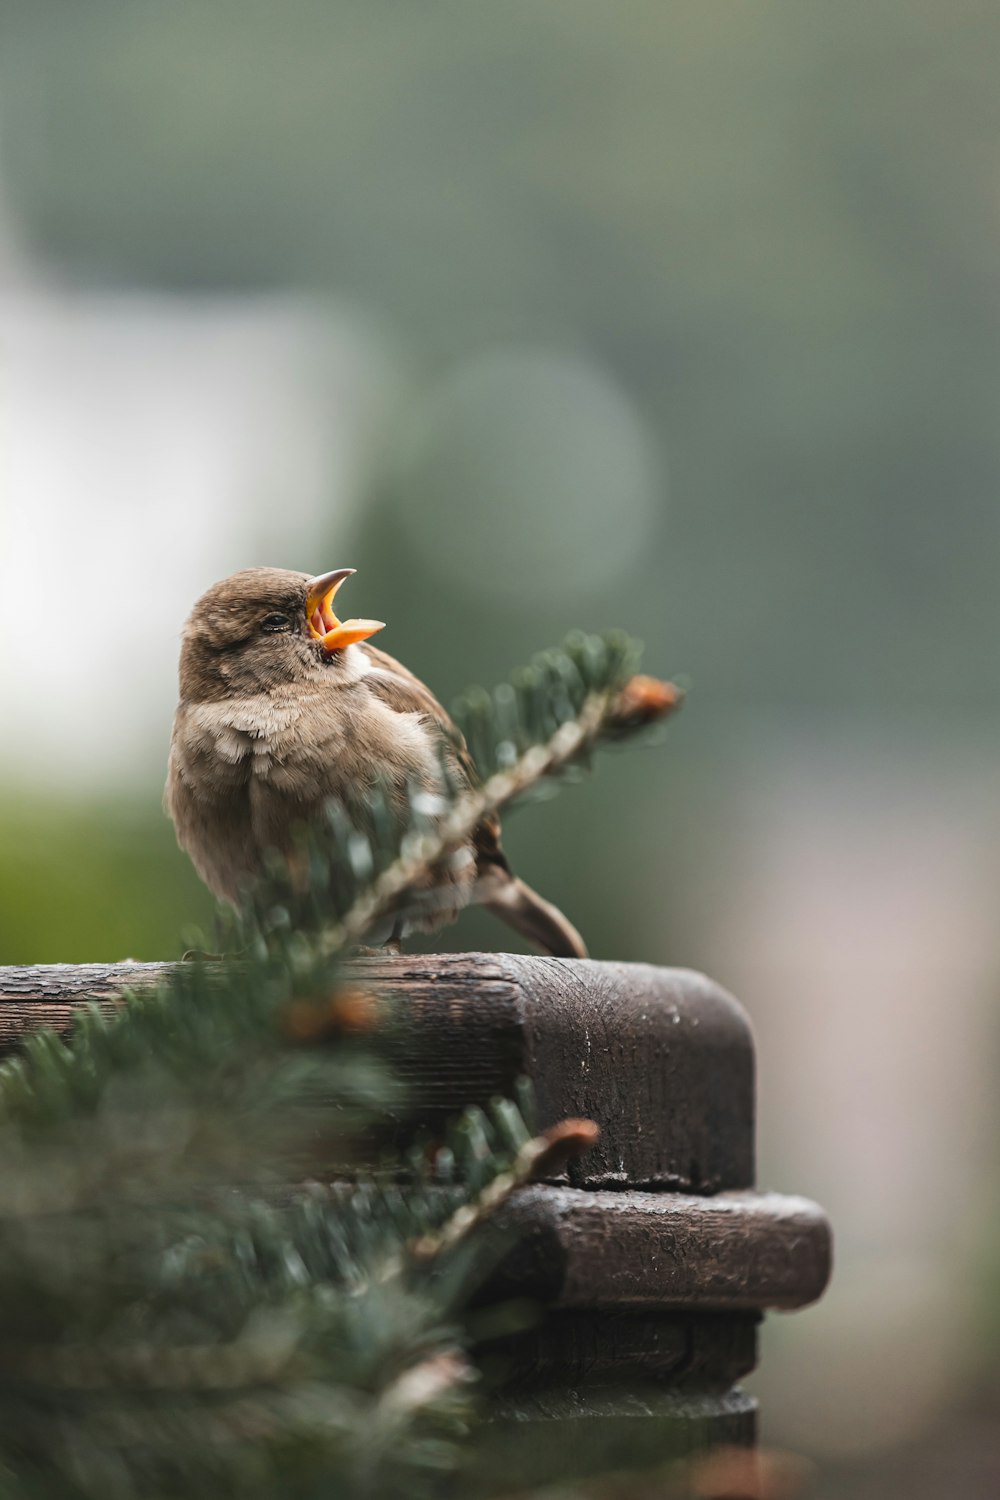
(284, 707)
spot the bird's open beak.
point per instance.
(334, 634)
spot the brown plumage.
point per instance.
(283, 706)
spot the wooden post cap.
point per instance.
(661, 1059)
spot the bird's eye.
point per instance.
(271, 624)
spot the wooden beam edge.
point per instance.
(610, 1249)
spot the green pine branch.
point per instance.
(172, 1322)
(329, 1328)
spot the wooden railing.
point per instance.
(654, 1253)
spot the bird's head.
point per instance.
(264, 627)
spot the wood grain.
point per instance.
(38, 995)
(740, 1251)
(662, 1059)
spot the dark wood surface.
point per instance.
(553, 1433)
(37, 995)
(733, 1251)
(662, 1059)
(695, 1351)
(653, 1255)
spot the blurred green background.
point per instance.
(549, 313)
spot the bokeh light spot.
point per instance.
(525, 473)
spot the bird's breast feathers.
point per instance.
(244, 729)
(332, 741)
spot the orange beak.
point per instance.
(334, 634)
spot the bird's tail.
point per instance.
(536, 919)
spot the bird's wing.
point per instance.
(511, 899)
(397, 687)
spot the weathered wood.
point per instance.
(604, 1250)
(654, 1257)
(37, 995)
(662, 1059)
(699, 1351)
(553, 1434)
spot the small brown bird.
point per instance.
(283, 706)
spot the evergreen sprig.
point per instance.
(172, 1320)
(240, 1346)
